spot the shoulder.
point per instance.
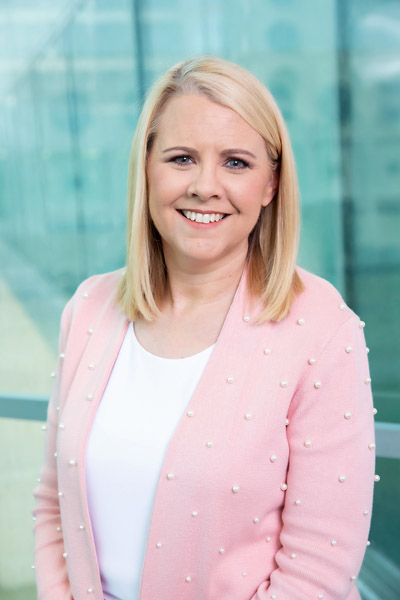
(320, 298)
(93, 296)
(103, 285)
(321, 308)
(317, 289)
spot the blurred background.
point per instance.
(72, 79)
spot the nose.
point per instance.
(205, 183)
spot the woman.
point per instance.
(211, 386)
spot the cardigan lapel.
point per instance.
(83, 398)
(213, 407)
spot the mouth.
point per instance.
(198, 217)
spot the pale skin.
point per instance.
(207, 160)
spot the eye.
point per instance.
(237, 163)
(182, 160)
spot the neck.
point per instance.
(191, 287)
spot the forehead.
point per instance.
(188, 118)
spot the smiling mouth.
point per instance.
(202, 218)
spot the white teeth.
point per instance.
(203, 218)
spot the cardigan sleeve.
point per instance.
(328, 503)
(50, 565)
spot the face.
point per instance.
(208, 178)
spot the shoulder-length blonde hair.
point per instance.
(273, 242)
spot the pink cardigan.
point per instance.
(277, 506)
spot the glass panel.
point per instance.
(28, 322)
(373, 145)
(386, 509)
(21, 453)
(380, 575)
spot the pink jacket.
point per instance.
(278, 506)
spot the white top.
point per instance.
(142, 404)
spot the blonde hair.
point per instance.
(273, 243)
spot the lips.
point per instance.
(202, 217)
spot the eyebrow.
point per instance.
(180, 148)
(227, 152)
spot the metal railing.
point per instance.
(34, 408)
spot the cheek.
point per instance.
(157, 194)
(250, 196)
(160, 209)
(155, 210)
(165, 186)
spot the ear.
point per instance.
(271, 189)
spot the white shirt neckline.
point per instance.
(143, 350)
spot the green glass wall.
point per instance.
(72, 79)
